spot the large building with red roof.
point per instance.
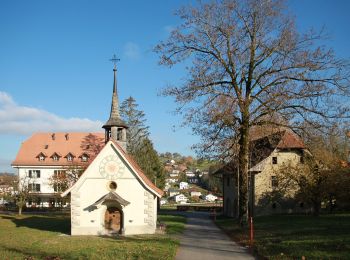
(112, 196)
(46, 155)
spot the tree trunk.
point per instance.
(20, 210)
(243, 158)
(316, 207)
(330, 203)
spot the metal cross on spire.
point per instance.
(114, 60)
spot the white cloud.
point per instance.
(132, 50)
(16, 119)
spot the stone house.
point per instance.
(270, 151)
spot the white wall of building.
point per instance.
(45, 174)
(139, 216)
(183, 185)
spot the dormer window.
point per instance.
(41, 157)
(55, 157)
(84, 157)
(69, 157)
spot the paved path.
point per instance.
(203, 240)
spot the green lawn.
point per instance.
(45, 237)
(286, 237)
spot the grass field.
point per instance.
(291, 237)
(46, 237)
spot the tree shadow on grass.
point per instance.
(52, 224)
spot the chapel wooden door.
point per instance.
(113, 219)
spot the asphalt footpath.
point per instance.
(203, 240)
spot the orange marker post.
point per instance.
(251, 232)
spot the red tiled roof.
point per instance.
(263, 143)
(290, 141)
(76, 144)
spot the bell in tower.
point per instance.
(115, 127)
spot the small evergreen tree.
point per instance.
(136, 121)
(139, 145)
(147, 158)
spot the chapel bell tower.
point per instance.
(115, 128)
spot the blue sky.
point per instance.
(55, 73)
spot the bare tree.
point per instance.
(249, 66)
(21, 193)
(64, 178)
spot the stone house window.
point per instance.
(274, 182)
(274, 160)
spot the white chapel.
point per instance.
(113, 195)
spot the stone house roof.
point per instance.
(261, 147)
